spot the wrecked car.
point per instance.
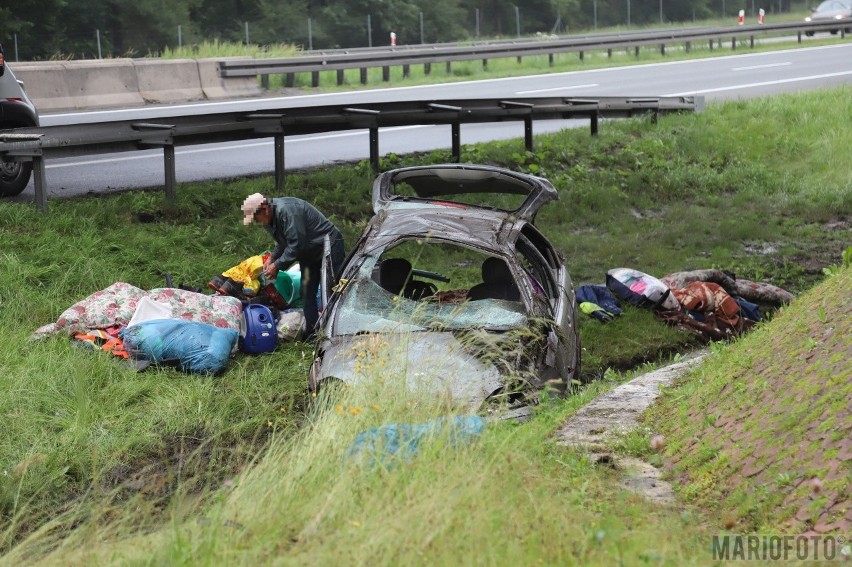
(452, 287)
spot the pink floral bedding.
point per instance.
(116, 304)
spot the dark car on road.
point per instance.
(16, 111)
(839, 11)
(452, 288)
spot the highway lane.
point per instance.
(727, 77)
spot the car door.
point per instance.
(544, 263)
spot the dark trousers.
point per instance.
(311, 277)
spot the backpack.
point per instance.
(640, 289)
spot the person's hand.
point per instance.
(270, 270)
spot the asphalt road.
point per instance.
(727, 77)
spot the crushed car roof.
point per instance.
(462, 185)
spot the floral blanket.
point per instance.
(115, 305)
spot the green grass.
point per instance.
(794, 363)
(97, 453)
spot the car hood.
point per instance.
(434, 362)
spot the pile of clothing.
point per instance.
(195, 332)
(712, 304)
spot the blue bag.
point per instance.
(197, 347)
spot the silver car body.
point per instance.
(439, 357)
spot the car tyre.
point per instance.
(14, 176)
(809, 33)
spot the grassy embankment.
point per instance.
(94, 452)
(763, 437)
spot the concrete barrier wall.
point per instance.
(112, 83)
(216, 87)
(174, 80)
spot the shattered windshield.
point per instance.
(396, 293)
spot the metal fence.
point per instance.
(40, 144)
(405, 56)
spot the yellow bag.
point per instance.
(247, 272)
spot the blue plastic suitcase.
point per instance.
(259, 334)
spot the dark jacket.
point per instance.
(299, 230)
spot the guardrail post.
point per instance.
(581, 55)
(519, 59)
(751, 41)
(340, 77)
(711, 44)
(386, 73)
(279, 162)
(315, 79)
(449, 67)
(609, 53)
(290, 80)
(456, 134)
(550, 59)
(663, 49)
(427, 68)
(406, 71)
(687, 46)
(799, 36)
(264, 82)
(363, 75)
(636, 50)
(484, 64)
(528, 133)
(40, 182)
(734, 43)
(593, 118)
(374, 148)
(842, 33)
(169, 165)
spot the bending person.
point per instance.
(299, 230)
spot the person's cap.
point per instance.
(250, 206)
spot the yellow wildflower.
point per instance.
(355, 410)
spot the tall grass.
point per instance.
(509, 496)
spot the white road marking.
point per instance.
(763, 84)
(785, 64)
(291, 140)
(558, 89)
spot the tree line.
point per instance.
(45, 29)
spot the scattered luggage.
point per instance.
(259, 334)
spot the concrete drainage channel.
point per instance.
(615, 413)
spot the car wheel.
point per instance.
(809, 33)
(14, 176)
(833, 32)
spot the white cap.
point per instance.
(250, 206)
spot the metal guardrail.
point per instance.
(405, 56)
(40, 144)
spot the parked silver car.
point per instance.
(16, 111)
(839, 11)
(457, 286)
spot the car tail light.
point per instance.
(15, 99)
